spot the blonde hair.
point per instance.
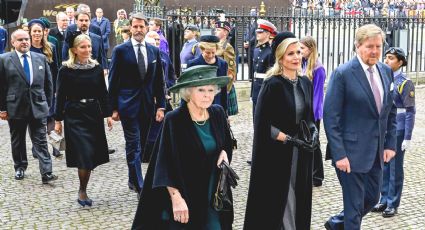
(46, 47)
(277, 69)
(368, 31)
(72, 57)
(310, 43)
(208, 45)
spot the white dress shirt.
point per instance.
(143, 49)
(21, 59)
(376, 76)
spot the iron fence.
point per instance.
(334, 31)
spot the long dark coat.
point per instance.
(272, 160)
(179, 160)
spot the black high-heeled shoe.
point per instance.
(82, 202)
(88, 202)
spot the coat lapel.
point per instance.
(15, 60)
(361, 77)
(130, 52)
(151, 55)
(385, 81)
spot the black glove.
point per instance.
(299, 143)
(314, 137)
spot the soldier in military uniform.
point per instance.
(262, 57)
(226, 51)
(404, 100)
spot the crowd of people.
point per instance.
(58, 80)
(378, 8)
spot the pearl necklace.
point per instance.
(204, 119)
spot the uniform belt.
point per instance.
(401, 110)
(84, 100)
(260, 75)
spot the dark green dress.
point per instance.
(210, 145)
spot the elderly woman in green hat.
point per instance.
(183, 171)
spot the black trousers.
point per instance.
(318, 174)
(37, 133)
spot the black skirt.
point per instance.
(85, 137)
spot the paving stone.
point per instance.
(28, 204)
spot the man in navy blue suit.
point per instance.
(93, 28)
(105, 27)
(98, 53)
(136, 93)
(359, 119)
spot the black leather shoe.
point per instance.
(46, 178)
(327, 226)
(379, 207)
(56, 153)
(249, 162)
(317, 183)
(111, 151)
(19, 174)
(389, 212)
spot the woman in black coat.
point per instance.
(82, 104)
(183, 173)
(280, 187)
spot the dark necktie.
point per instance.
(27, 68)
(375, 89)
(141, 62)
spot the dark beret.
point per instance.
(70, 37)
(399, 53)
(46, 22)
(36, 21)
(279, 39)
(192, 27)
(223, 24)
(209, 38)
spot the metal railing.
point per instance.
(333, 30)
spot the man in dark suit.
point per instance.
(93, 28)
(359, 119)
(105, 27)
(59, 32)
(98, 53)
(136, 93)
(25, 97)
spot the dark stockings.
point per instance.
(84, 176)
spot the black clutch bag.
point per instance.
(222, 200)
(304, 133)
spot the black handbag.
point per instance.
(304, 133)
(222, 200)
(234, 141)
(309, 136)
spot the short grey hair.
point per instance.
(186, 92)
(60, 14)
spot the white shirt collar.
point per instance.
(135, 43)
(366, 67)
(20, 54)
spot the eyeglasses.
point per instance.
(22, 39)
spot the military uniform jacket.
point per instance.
(261, 60)
(227, 52)
(404, 100)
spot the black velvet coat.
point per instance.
(179, 160)
(272, 160)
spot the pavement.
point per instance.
(28, 204)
